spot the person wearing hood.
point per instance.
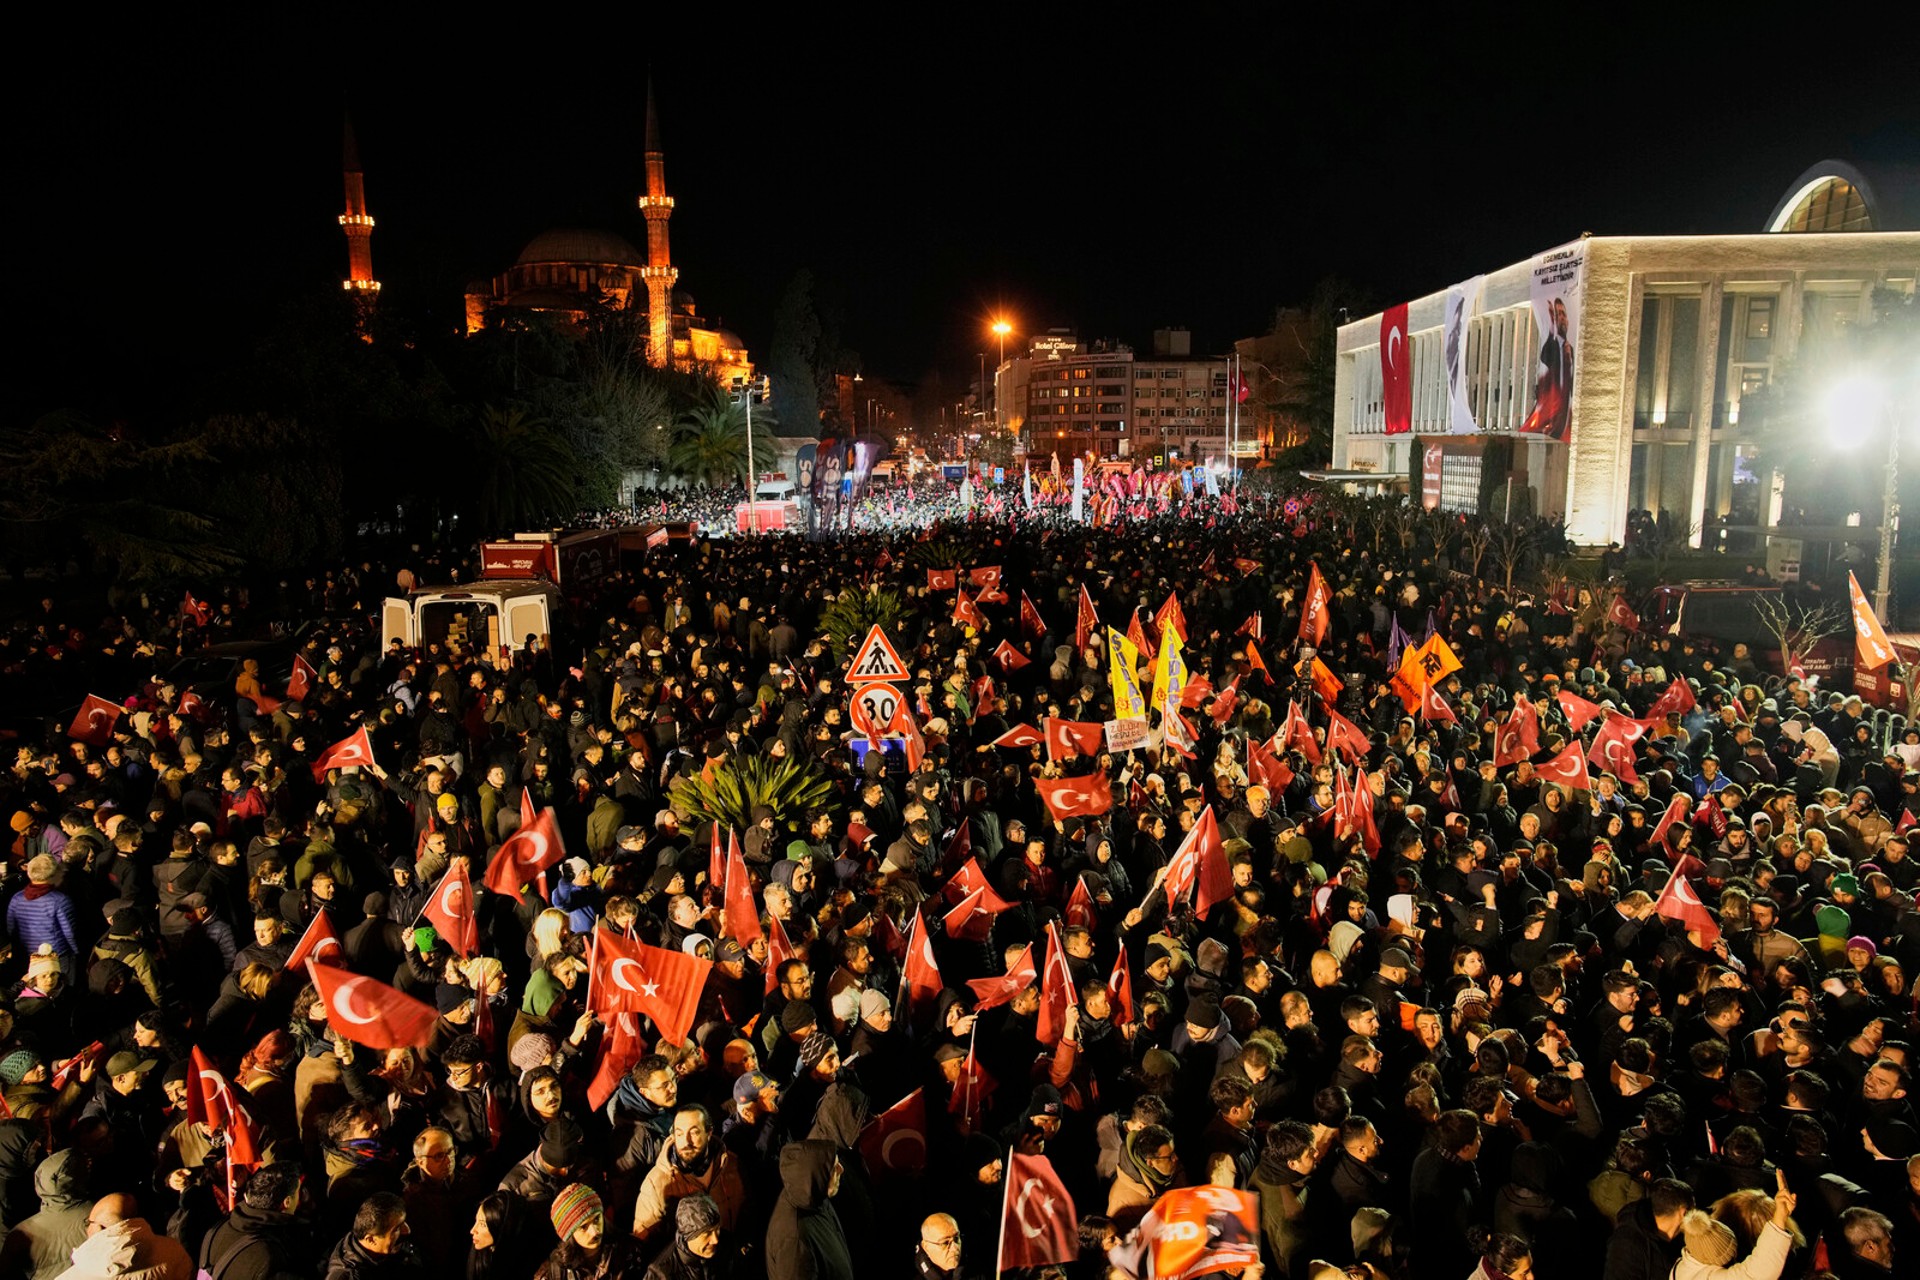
(1525, 1206)
(843, 1112)
(120, 1246)
(42, 1246)
(691, 1162)
(697, 1251)
(805, 1240)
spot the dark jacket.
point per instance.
(258, 1244)
(804, 1239)
(1636, 1250)
(350, 1260)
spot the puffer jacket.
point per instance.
(42, 1246)
(44, 918)
(804, 1239)
(129, 1250)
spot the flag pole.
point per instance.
(593, 964)
(1006, 1192)
(973, 1033)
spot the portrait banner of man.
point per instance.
(1555, 292)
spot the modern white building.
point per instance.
(1671, 332)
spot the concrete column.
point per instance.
(1707, 371)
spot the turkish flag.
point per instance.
(625, 976)
(1080, 907)
(779, 951)
(1360, 812)
(353, 751)
(93, 723)
(450, 910)
(1224, 703)
(1255, 626)
(1056, 991)
(1296, 736)
(320, 944)
(1906, 820)
(301, 682)
(1030, 620)
(943, 579)
(1344, 735)
(1518, 736)
(1085, 621)
(967, 614)
(1613, 747)
(742, 917)
(1677, 700)
(971, 919)
(1169, 614)
(1120, 989)
(971, 1091)
(1435, 708)
(1266, 769)
(209, 1096)
(243, 1151)
(1315, 610)
(1067, 739)
(1871, 647)
(1396, 371)
(968, 879)
(1194, 691)
(887, 934)
(985, 576)
(1678, 901)
(1199, 866)
(1568, 768)
(716, 857)
(198, 610)
(1677, 808)
(1577, 709)
(1041, 1225)
(1021, 735)
(920, 981)
(191, 706)
(990, 992)
(370, 1012)
(980, 692)
(525, 854)
(1009, 658)
(896, 1139)
(1621, 614)
(621, 1049)
(1245, 565)
(959, 850)
(1087, 797)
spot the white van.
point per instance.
(498, 614)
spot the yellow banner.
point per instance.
(1123, 671)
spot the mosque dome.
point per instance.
(577, 245)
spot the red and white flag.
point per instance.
(971, 919)
(1010, 659)
(1040, 1224)
(1030, 621)
(1120, 989)
(1020, 735)
(199, 610)
(1086, 621)
(779, 951)
(1679, 902)
(1056, 991)
(991, 992)
(1434, 707)
(1086, 797)
(741, 916)
(525, 854)
(920, 981)
(943, 579)
(1613, 747)
(320, 944)
(450, 910)
(621, 1049)
(1872, 649)
(896, 1139)
(1344, 735)
(1567, 768)
(1199, 866)
(625, 976)
(1621, 614)
(301, 682)
(1518, 736)
(1080, 906)
(1677, 808)
(93, 723)
(1266, 769)
(1245, 565)
(1396, 371)
(1577, 709)
(967, 614)
(353, 751)
(1315, 611)
(1068, 739)
(370, 1012)
(1677, 700)
(210, 1098)
(1170, 615)
(1296, 735)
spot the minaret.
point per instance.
(358, 225)
(656, 206)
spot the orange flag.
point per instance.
(1873, 648)
(1314, 613)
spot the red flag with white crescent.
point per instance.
(1086, 797)
(525, 854)
(1080, 908)
(353, 751)
(621, 1049)
(1677, 808)
(1068, 739)
(301, 682)
(779, 951)
(93, 723)
(632, 977)
(320, 944)
(990, 992)
(1120, 989)
(1030, 620)
(1040, 1225)
(450, 910)
(1577, 709)
(1200, 865)
(1678, 901)
(920, 979)
(210, 1098)
(1613, 747)
(1568, 768)
(1676, 700)
(370, 1012)
(896, 1139)
(742, 917)
(1396, 372)
(1057, 993)
(1020, 735)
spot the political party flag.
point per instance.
(1254, 626)
(1199, 866)
(1137, 635)
(627, 976)
(93, 723)
(991, 992)
(1256, 662)
(1038, 1224)
(1577, 709)
(354, 750)
(1170, 614)
(1872, 648)
(1085, 797)
(1397, 644)
(525, 854)
(1316, 610)
(1325, 684)
(450, 910)
(1678, 901)
(1193, 1231)
(1123, 675)
(1246, 566)
(896, 1139)
(1056, 991)
(1169, 670)
(920, 981)
(320, 944)
(1085, 620)
(370, 1012)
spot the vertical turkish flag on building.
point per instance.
(526, 853)
(300, 683)
(353, 751)
(1871, 645)
(320, 944)
(1679, 902)
(1056, 991)
(896, 1139)
(1040, 1224)
(370, 1012)
(450, 910)
(93, 723)
(625, 976)
(1314, 611)
(920, 981)
(1396, 371)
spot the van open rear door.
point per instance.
(525, 616)
(396, 622)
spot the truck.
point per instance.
(574, 562)
(498, 614)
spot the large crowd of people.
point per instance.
(1325, 941)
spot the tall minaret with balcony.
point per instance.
(656, 206)
(358, 225)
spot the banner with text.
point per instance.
(1555, 292)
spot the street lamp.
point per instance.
(1851, 407)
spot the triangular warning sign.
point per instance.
(876, 660)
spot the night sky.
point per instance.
(932, 166)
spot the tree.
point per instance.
(521, 472)
(1510, 546)
(611, 407)
(275, 487)
(710, 443)
(1797, 626)
(1297, 395)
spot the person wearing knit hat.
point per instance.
(1711, 1248)
(577, 1216)
(15, 1066)
(819, 1056)
(875, 1010)
(1708, 1242)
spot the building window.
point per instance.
(1834, 205)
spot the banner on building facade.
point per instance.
(1079, 489)
(1396, 371)
(1463, 303)
(1555, 292)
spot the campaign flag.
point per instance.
(93, 723)
(1087, 797)
(1871, 645)
(1040, 1224)
(1193, 1231)
(896, 1139)
(1080, 908)
(1008, 658)
(920, 981)
(1397, 644)
(1568, 768)
(1084, 621)
(370, 1012)
(1137, 636)
(525, 854)
(1678, 901)
(1555, 289)
(1120, 989)
(942, 579)
(990, 992)
(1315, 611)
(742, 917)
(450, 910)
(1030, 621)
(1577, 709)
(1057, 992)
(1067, 739)
(1396, 371)
(621, 1049)
(1021, 735)
(1676, 700)
(1170, 613)
(353, 751)
(301, 682)
(1326, 684)
(627, 976)
(1613, 747)
(1169, 670)
(1123, 675)
(320, 944)
(1199, 866)
(1256, 662)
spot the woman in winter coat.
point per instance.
(804, 1238)
(1711, 1247)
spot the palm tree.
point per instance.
(523, 470)
(710, 442)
